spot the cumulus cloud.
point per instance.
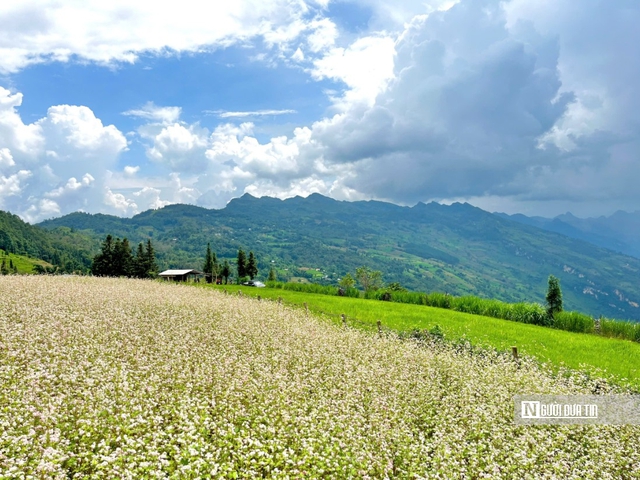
(118, 31)
(56, 164)
(531, 102)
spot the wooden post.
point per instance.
(379, 328)
(344, 319)
(514, 352)
(259, 298)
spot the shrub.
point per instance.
(573, 322)
(618, 329)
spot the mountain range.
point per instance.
(619, 232)
(459, 249)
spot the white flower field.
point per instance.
(115, 378)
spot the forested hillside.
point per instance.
(62, 247)
(457, 249)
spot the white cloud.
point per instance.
(57, 164)
(119, 203)
(150, 111)
(180, 147)
(364, 67)
(130, 170)
(254, 113)
(6, 159)
(119, 30)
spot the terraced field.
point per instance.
(114, 378)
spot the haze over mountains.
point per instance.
(458, 248)
(619, 232)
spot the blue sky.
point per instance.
(525, 106)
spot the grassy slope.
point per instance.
(23, 263)
(617, 358)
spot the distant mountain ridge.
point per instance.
(458, 248)
(619, 232)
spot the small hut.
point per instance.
(181, 275)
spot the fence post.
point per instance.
(344, 319)
(514, 352)
(379, 328)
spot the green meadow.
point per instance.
(23, 264)
(615, 359)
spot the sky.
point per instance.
(517, 106)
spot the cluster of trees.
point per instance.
(214, 270)
(117, 259)
(246, 267)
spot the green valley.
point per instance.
(458, 249)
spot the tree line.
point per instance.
(117, 259)
(246, 267)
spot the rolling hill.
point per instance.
(31, 245)
(459, 249)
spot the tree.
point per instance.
(225, 271)
(3, 269)
(347, 282)
(122, 259)
(272, 275)
(102, 264)
(395, 287)
(139, 268)
(242, 264)
(215, 271)
(150, 260)
(207, 267)
(369, 279)
(252, 267)
(554, 296)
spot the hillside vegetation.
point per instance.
(115, 378)
(457, 249)
(62, 247)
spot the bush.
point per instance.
(573, 322)
(618, 329)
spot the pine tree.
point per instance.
(252, 267)
(225, 271)
(216, 268)
(242, 265)
(139, 263)
(554, 296)
(150, 261)
(207, 267)
(272, 275)
(122, 259)
(102, 264)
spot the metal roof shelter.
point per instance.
(181, 275)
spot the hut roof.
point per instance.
(175, 273)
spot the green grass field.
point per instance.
(24, 264)
(615, 359)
